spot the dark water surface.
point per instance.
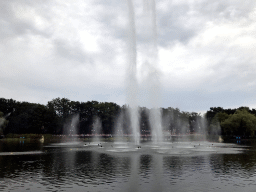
(122, 167)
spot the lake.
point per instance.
(169, 166)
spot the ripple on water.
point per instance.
(174, 166)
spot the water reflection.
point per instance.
(72, 168)
(20, 145)
(158, 172)
(242, 166)
(133, 181)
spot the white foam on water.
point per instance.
(122, 147)
(122, 150)
(66, 143)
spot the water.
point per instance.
(97, 130)
(124, 167)
(131, 76)
(119, 125)
(150, 55)
(71, 126)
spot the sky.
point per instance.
(78, 50)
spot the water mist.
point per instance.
(97, 130)
(70, 127)
(150, 53)
(131, 77)
(119, 127)
(153, 74)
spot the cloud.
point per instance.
(19, 18)
(78, 49)
(181, 21)
(70, 51)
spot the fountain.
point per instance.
(96, 130)
(151, 55)
(70, 127)
(131, 77)
(70, 130)
(119, 128)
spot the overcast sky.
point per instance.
(78, 50)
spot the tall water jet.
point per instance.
(153, 80)
(74, 124)
(202, 126)
(96, 130)
(71, 126)
(166, 123)
(131, 77)
(119, 127)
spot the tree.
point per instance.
(211, 113)
(214, 128)
(62, 107)
(182, 123)
(196, 122)
(240, 123)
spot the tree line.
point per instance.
(231, 122)
(24, 117)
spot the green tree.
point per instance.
(240, 123)
(196, 122)
(62, 107)
(211, 113)
(214, 128)
(108, 113)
